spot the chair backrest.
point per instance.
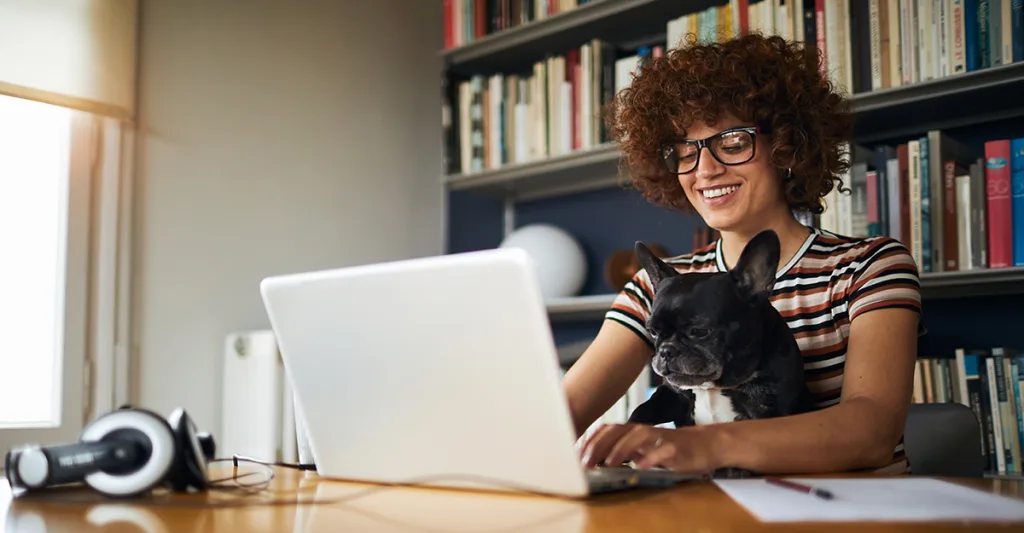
(943, 439)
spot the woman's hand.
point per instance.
(687, 450)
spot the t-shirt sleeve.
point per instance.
(632, 306)
(886, 277)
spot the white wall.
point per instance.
(274, 137)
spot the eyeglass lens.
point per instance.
(730, 148)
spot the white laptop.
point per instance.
(438, 370)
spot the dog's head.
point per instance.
(707, 327)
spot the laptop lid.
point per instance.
(440, 369)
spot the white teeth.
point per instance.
(715, 193)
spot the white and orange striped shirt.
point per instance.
(830, 281)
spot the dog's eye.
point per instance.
(698, 332)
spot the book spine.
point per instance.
(994, 411)
(971, 48)
(985, 414)
(1009, 410)
(1017, 16)
(916, 196)
(1000, 209)
(984, 55)
(1017, 187)
(979, 214)
(958, 59)
(950, 246)
(1017, 377)
(995, 32)
(926, 205)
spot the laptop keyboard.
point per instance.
(608, 478)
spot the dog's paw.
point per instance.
(732, 473)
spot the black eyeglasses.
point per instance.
(734, 146)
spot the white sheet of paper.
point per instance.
(896, 499)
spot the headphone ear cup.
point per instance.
(156, 446)
(189, 470)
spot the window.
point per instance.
(44, 232)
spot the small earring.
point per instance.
(789, 173)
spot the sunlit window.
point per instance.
(34, 153)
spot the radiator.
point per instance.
(257, 414)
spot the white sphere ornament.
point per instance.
(559, 259)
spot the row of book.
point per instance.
(869, 45)
(467, 21)
(954, 208)
(989, 381)
(554, 110)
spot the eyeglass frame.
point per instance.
(754, 131)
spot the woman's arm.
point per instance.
(604, 373)
(859, 432)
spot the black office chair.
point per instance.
(943, 439)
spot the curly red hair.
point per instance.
(767, 81)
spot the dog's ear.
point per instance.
(656, 269)
(755, 270)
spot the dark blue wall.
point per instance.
(602, 221)
(980, 322)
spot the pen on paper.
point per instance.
(821, 493)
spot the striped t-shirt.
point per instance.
(828, 282)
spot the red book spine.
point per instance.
(744, 14)
(480, 19)
(1000, 214)
(573, 75)
(449, 36)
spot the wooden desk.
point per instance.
(691, 507)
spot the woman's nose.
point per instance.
(707, 165)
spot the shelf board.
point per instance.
(616, 21)
(952, 101)
(1007, 477)
(967, 283)
(948, 102)
(577, 171)
(581, 307)
(984, 282)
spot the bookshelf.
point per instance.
(947, 86)
(888, 113)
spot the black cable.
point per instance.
(299, 466)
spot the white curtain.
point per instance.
(79, 54)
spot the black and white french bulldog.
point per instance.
(723, 351)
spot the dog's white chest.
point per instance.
(710, 406)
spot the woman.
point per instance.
(744, 132)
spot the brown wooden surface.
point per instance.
(698, 506)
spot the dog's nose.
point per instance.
(668, 351)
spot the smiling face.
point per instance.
(731, 197)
